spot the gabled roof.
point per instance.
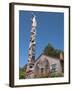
(47, 56)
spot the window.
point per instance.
(42, 69)
(53, 67)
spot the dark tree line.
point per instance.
(49, 50)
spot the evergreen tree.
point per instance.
(49, 50)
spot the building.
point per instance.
(46, 65)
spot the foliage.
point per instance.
(22, 72)
(54, 74)
(49, 50)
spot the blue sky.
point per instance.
(50, 29)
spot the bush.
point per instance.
(54, 74)
(22, 74)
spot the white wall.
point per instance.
(4, 44)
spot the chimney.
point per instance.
(61, 56)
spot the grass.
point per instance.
(54, 74)
(22, 74)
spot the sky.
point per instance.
(50, 29)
